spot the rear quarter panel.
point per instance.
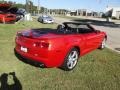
(61, 47)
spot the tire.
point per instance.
(71, 60)
(42, 21)
(103, 44)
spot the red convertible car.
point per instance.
(61, 47)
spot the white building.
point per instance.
(113, 12)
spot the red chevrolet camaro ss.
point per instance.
(61, 47)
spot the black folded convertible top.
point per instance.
(75, 23)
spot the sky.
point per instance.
(93, 5)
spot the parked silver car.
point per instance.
(45, 19)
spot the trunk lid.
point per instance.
(40, 34)
(36, 38)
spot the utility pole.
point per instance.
(27, 6)
(38, 8)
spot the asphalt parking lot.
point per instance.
(112, 29)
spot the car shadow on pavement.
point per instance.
(28, 61)
(98, 23)
(6, 86)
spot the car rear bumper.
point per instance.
(49, 60)
(29, 61)
(49, 21)
(34, 58)
(7, 20)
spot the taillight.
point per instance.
(41, 44)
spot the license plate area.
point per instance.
(24, 49)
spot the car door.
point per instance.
(91, 39)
